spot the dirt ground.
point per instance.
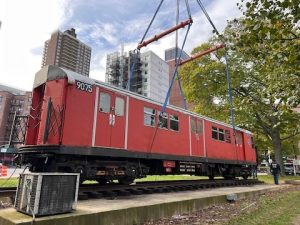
(222, 213)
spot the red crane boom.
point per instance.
(156, 37)
(200, 54)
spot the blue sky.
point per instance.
(104, 25)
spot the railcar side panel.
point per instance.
(78, 118)
(219, 141)
(144, 135)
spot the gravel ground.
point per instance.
(220, 213)
(5, 203)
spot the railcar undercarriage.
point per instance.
(106, 168)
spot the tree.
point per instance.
(263, 49)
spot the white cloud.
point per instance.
(26, 25)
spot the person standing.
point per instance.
(275, 170)
(254, 171)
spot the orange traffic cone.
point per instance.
(4, 171)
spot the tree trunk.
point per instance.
(276, 143)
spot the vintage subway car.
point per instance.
(78, 124)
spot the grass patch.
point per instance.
(12, 182)
(268, 179)
(169, 177)
(273, 209)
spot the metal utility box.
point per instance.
(41, 194)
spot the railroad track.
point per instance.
(112, 191)
(7, 191)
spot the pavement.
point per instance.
(137, 209)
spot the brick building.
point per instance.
(12, 101)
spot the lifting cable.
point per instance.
(137, 52)
(227, 67)
(175, 72)
(227, 74)
(176, 68)
(151, 21)
(177, 60)
(169, 90)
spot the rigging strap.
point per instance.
(175, 72)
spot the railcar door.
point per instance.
(200, 140)
(240, 146)
(111, 119)
(118, 113)
(196, 134)
(104, 118)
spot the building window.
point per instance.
(149, 116)
(174, 123)
(162, 120)
(119, 105)
(104, 103)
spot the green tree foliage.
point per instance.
(264, 55)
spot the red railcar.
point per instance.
(78, 124)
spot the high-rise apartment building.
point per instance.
(175, 96)
(63, 49)
(155, 76)
(149, 75)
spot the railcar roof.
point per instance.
(53, 73)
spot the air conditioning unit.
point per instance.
(41, 194)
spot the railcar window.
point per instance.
(119, 105)
(104, 102)
(199, 127)
(227, 136)
(174, 122)
(239, 138)
(221, 135)
(193, 125)
(149, 116)
(252, 143)
(214, 133)
(162, 120)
